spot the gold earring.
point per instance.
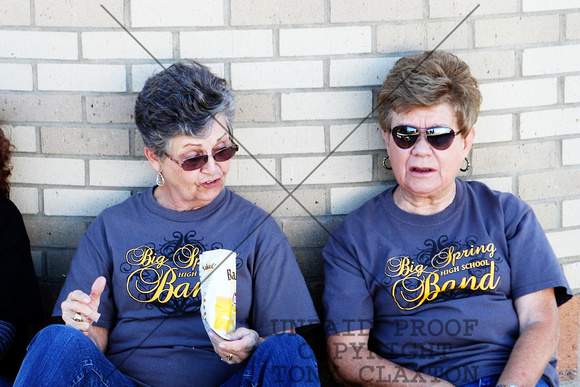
(467, 166)
(385, 164)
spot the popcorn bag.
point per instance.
(218, 290)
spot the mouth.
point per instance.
(211, 183)
(421, 170)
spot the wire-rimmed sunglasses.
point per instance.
(439, 137)
(193, 163)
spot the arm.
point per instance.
(87, 307)
(353, 364)
(7, 333)
(539, 334)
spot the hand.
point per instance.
(79, 304)
(240, 345)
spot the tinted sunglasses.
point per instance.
(439, 137)
(193, 163)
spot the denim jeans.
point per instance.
(282, 360)
(491, 381)
(63, 356)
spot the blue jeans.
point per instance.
(491, 381)
(282, 360)
(63, 356)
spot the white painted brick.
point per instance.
(502, 184)
(78, 13)
(547, 214)
(560, 241)
(121, 173)
(494, 128)
(542, 5)
(572, 273)
(326, 105)
(277, 75)
(15, 76)
(281, 140)
(436, 32)
(517, 31)
(140, 73)
(119, 45)
(43, 170)
(325, 41)
(36, 44)
(548, 123)
(571, 213)
(572, 89)
(521, 93)
(360, 72)
(571, 151)
(226, 44)
(375, 10)
(81, 77)
(572, 26)
(25, 198)
(77, 202)
(367, 136)
(490, 64)
(22, 137)
(335, 169)
(167, 13)
(454, 8)
(403, 37)
(266, 12)
(247, 172)
(15, 13)
(347, 199)
(550, 60)
(84, 141)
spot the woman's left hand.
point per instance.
(240, 346)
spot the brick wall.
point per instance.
(305, 73)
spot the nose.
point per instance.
(422, 146)
(211, 166)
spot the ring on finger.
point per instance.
(77, 317)
(229, 357)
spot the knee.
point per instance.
(55, 337)
(289, 343)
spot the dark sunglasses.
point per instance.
(439, 137)
(191, 164)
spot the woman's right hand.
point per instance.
(80, 310)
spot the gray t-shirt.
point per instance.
(437, 291)
(151, 304)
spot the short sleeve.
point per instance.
(347, 299)
(533, 263)
(91, 260)
(281, 299)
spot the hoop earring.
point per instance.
(160, 180)
(466, 166)
(385, 164)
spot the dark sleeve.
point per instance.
(92, 259)
(7, 333)
(281, 297)
(346, 296)
(533, 263)
(19, 294)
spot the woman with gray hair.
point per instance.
(449, 282)
(132, 303)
